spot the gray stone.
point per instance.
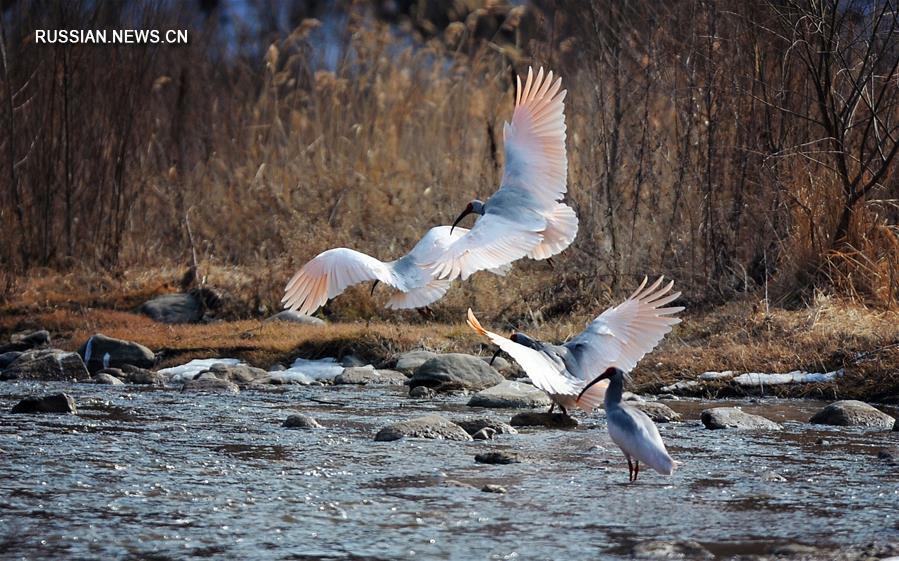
(107, 378)
(685, 386)
(493, 488)
(296, 317)
(486, 433)
(503, 366)
(409, 361)
(300, 421)
(47, 365)
(240, 374)
(430, 426)
(117, 353)
(658, 412)
(422, 392)
(498, 457)
(548, 420)
(670, 550)
(57, 403)
(852, 413)
(455, 371)
(368, 375)
(8, 358)
(27, 341)
(207, 383)
(773, 477)
(174, 308)
(476, 425)
(510, 395)
(735, 418)
(142, 376)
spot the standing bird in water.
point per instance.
(619, 336)
(525, 217)
(631, 429)
(333, 271)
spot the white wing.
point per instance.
(560, 231)
(534, 142)
(545, 373)
(419, 297)
(622, 335)
(332, 272)
(493, 242)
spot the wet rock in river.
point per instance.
(240, 374)
(670, 550)
(474, 426)
(369, 375)
(429, 426)
(735, 418)
(296, 317)
(409, 361)
(548, 420)
(101, 352)
(142, 376)
(511, 395)
(455, 371)
(300, 421)
(852, 413)
(208, 383)
(422, 392)
(498, 457)
(46, 365)
(178, 308)
(57, 403)
(494, 488)
(26, 341)
(889, 455)
(8, 358)
(108, 377)
(658, 412)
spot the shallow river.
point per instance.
(159, 474)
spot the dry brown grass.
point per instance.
(743, 336)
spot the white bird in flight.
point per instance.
(620, 337)
(631, 429)
(333, 271)
(525, 216)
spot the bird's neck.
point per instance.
(614, 392)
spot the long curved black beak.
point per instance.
(374, 284)
(465, 213)
(604, 376)
(496, 354)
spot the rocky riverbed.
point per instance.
(168, 471)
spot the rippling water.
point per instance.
(159, 474)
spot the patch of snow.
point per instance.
(185, 372)
(706, 376)
(304, 371)
(795, 377)
(678, 386)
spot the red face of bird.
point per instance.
(474, 207)
(609, 373)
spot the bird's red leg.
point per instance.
(630, 469)
(636, 469)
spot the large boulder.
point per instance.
(27, 341)
(429, 426)
(408, 362)
(852, 413)
(455, 371)
(240, 374)
(291, 316)
(173, 308)
(510, 395)
(142, 376)
(101, 352)
(658, 412)
(207, 383)
(47, 365)
(364, 375)
(57, 403)
(477, 425)
(735, 418)
(8, 358)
